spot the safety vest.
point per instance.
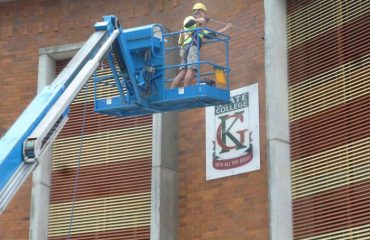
(186, 37)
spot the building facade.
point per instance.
(145, 177)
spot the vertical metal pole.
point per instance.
(198, 58)
(95, 77)
(164, 66)
(227, 64)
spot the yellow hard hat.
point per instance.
(199, 6)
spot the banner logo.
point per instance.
(232, 134)
(231, 129)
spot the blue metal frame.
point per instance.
(132, 44)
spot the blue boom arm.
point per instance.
(23, 144)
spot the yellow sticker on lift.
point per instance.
(220, 76)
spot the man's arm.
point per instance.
(227, 27)
(210, 35)
(191, 22)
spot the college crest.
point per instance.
(232, 133)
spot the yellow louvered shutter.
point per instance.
(114, 185)
(329, 104)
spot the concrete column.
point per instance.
(40, 195)
(40, 198)
(277, 120)
(164, 213)
(46, 72)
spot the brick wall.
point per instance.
(229, 208)
(233, 207)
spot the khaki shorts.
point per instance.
(188, 55)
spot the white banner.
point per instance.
(232, 135)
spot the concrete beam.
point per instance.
(61, 52)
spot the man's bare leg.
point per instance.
(180, 76)
(189, 77)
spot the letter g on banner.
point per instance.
(225, 133)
